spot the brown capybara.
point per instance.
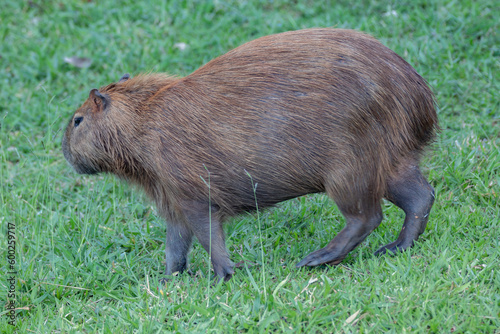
(308, 111)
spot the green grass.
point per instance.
(90, 249)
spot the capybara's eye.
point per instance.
(78, 120)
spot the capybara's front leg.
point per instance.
(177, 244)
(208, 230)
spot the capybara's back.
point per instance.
(317, 110)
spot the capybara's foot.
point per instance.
(321, 256)
(165, 278)
(224, 271)
(392, 248)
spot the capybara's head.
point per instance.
(103, 134)
(94, 133)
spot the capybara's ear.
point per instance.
(98, 100)
(124, 78)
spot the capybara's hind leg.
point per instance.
(359, 223)
(410, 191)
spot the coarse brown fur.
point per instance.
(316, 110)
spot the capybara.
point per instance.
(301, 112)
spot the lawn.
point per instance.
(89, 249)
